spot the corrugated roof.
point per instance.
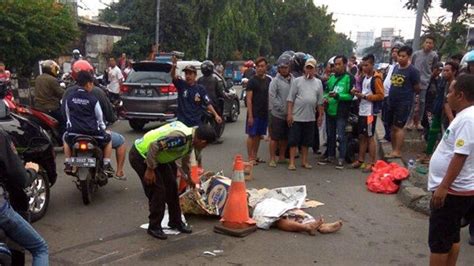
(90, 22)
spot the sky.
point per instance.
(351, 15)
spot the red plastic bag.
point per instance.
(386, 177)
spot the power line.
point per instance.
(373, 16)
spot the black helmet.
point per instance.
(284, 60)
(207, 68)
(3, 88)
(298, 61)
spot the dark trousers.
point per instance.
(57, 114)
(165, 190)
(336, 130)
(388, 129)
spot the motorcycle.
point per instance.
(352, 134)
(117, 103)
(87, 161)
(33, 145)
(47, 122)
(208, 118)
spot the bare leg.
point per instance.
(292, 226)
(108, 150)
(120, 154)
(328, 228)
(283, 145)
(304, 155)
(250, 148)
(362, 147)
(372, 149)
(453, 254)
(292, 155)
(67, 150)
(273, 146)
(398, 136)
(256, 144)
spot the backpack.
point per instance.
(377, 106)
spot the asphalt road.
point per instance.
(377, 229)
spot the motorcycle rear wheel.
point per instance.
(86, 190)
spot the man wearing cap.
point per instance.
(192, 97)
(304, 99)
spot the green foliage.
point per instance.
(32, 30)
(240, 29)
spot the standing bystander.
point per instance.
(305, 97)
(451, 178)
(405, 82)
(257, 109)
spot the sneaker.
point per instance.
(325, 161)
(109, 171)
(340, 165)
(68, 169)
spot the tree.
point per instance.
(33, 30)
(240, 30)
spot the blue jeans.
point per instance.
(20, 231)
(336, 126)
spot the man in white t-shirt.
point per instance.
(451, 175)
(115, 80)
(386, 85)
(372, 91)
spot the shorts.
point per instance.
(301, 134)
(117, 139)
(259, 127)
(279, 129)
(398, 113)
(445, 223)
(365, 128)
(102, 140)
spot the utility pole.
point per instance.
(157, 33)
(207, 42)
(419, 19)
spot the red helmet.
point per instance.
(249, 63)
(81, 65)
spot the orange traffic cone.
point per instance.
(194, 169)
(236, 220)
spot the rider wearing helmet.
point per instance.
(467, 63)
(297, 64)
(84, 116)
(250, 71)
(215, 90)
(48, 92)
(76, 55)
(118, 141)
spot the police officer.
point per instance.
(153, 158)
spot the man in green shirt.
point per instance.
(338, 100)
(153, 158)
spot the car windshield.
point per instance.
(148, 77)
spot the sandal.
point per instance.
(272, 164)
(258, 160)
(367, 168)
(391, 156)
(357, 164)
(291, 167)
(307, 166)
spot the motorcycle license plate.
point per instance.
(83, 162)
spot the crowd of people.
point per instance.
(416, 92)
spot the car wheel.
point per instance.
(137, 124)
(234, 111)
